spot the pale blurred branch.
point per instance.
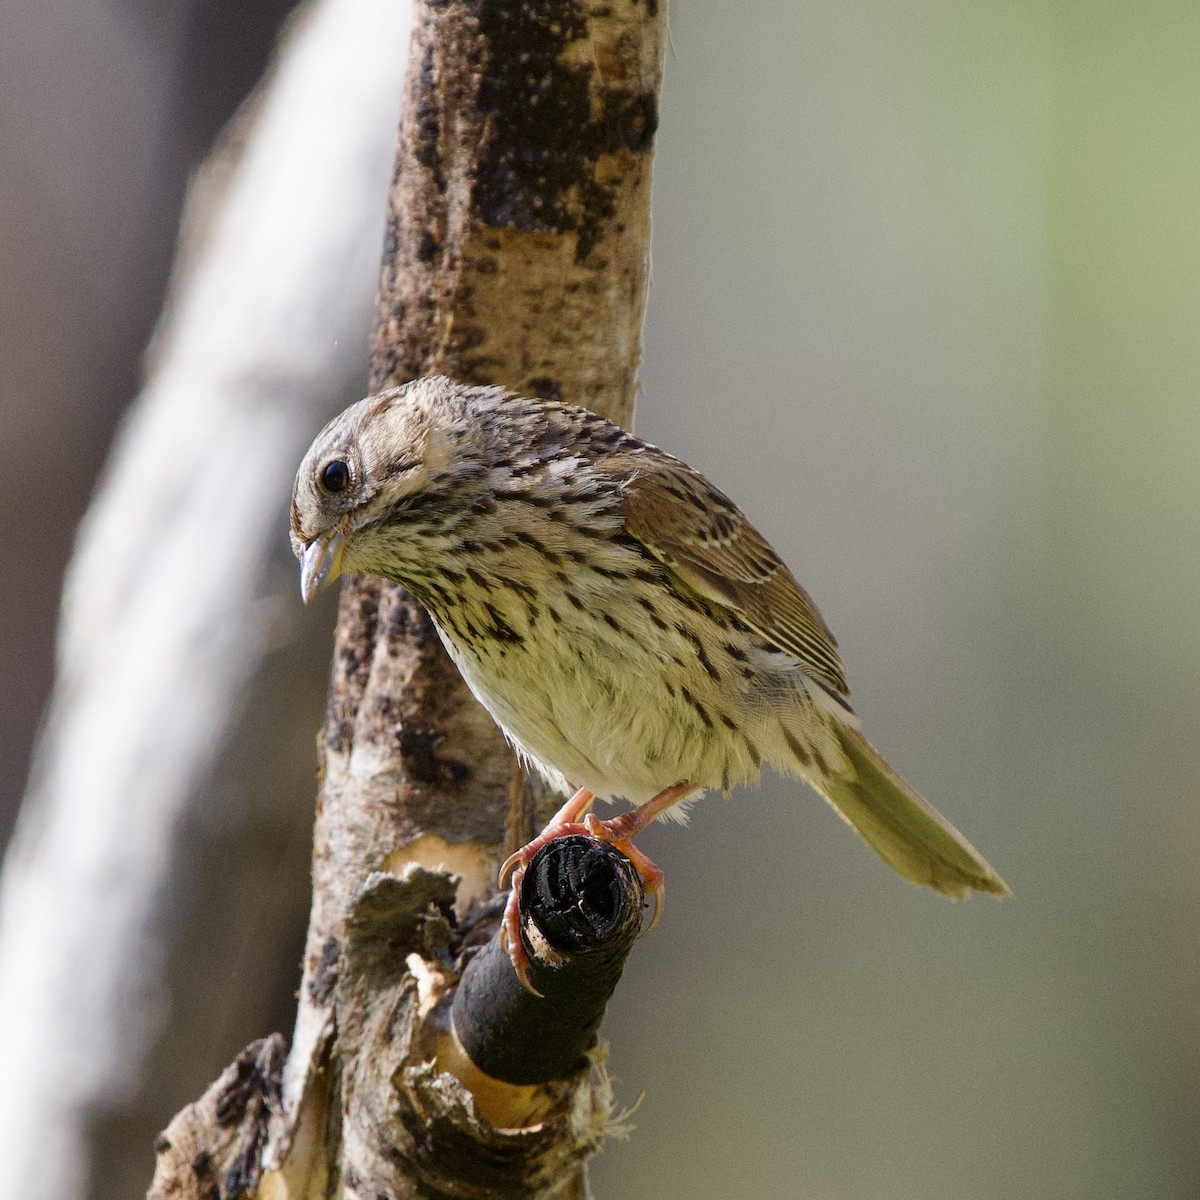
(153, 898)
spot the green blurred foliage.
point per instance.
(926, 300)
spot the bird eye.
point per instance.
(335, 477)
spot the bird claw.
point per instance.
(510, 935)
(508, 866)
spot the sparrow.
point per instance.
(630, 632)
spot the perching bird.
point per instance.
(628, 629)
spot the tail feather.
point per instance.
(909, 834)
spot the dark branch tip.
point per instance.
(583, 899)
(583, 896)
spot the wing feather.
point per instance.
(704, 539)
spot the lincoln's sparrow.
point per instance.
(627, 628)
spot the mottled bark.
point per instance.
(516, 253)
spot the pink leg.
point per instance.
(619, 831)
(569, 814)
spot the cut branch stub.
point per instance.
(581, 900)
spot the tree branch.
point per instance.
(581, 900)
(516, 253)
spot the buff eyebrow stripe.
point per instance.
(399, 468)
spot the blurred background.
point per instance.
(926, 302)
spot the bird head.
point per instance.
(367, 469)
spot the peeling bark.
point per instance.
(213, 1149)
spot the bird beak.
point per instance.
(321, 562)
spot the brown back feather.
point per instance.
(707, 543)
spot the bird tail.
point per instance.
(909, 834)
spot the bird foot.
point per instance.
(615, 833)
(618, 831)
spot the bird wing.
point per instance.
(707, 543)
